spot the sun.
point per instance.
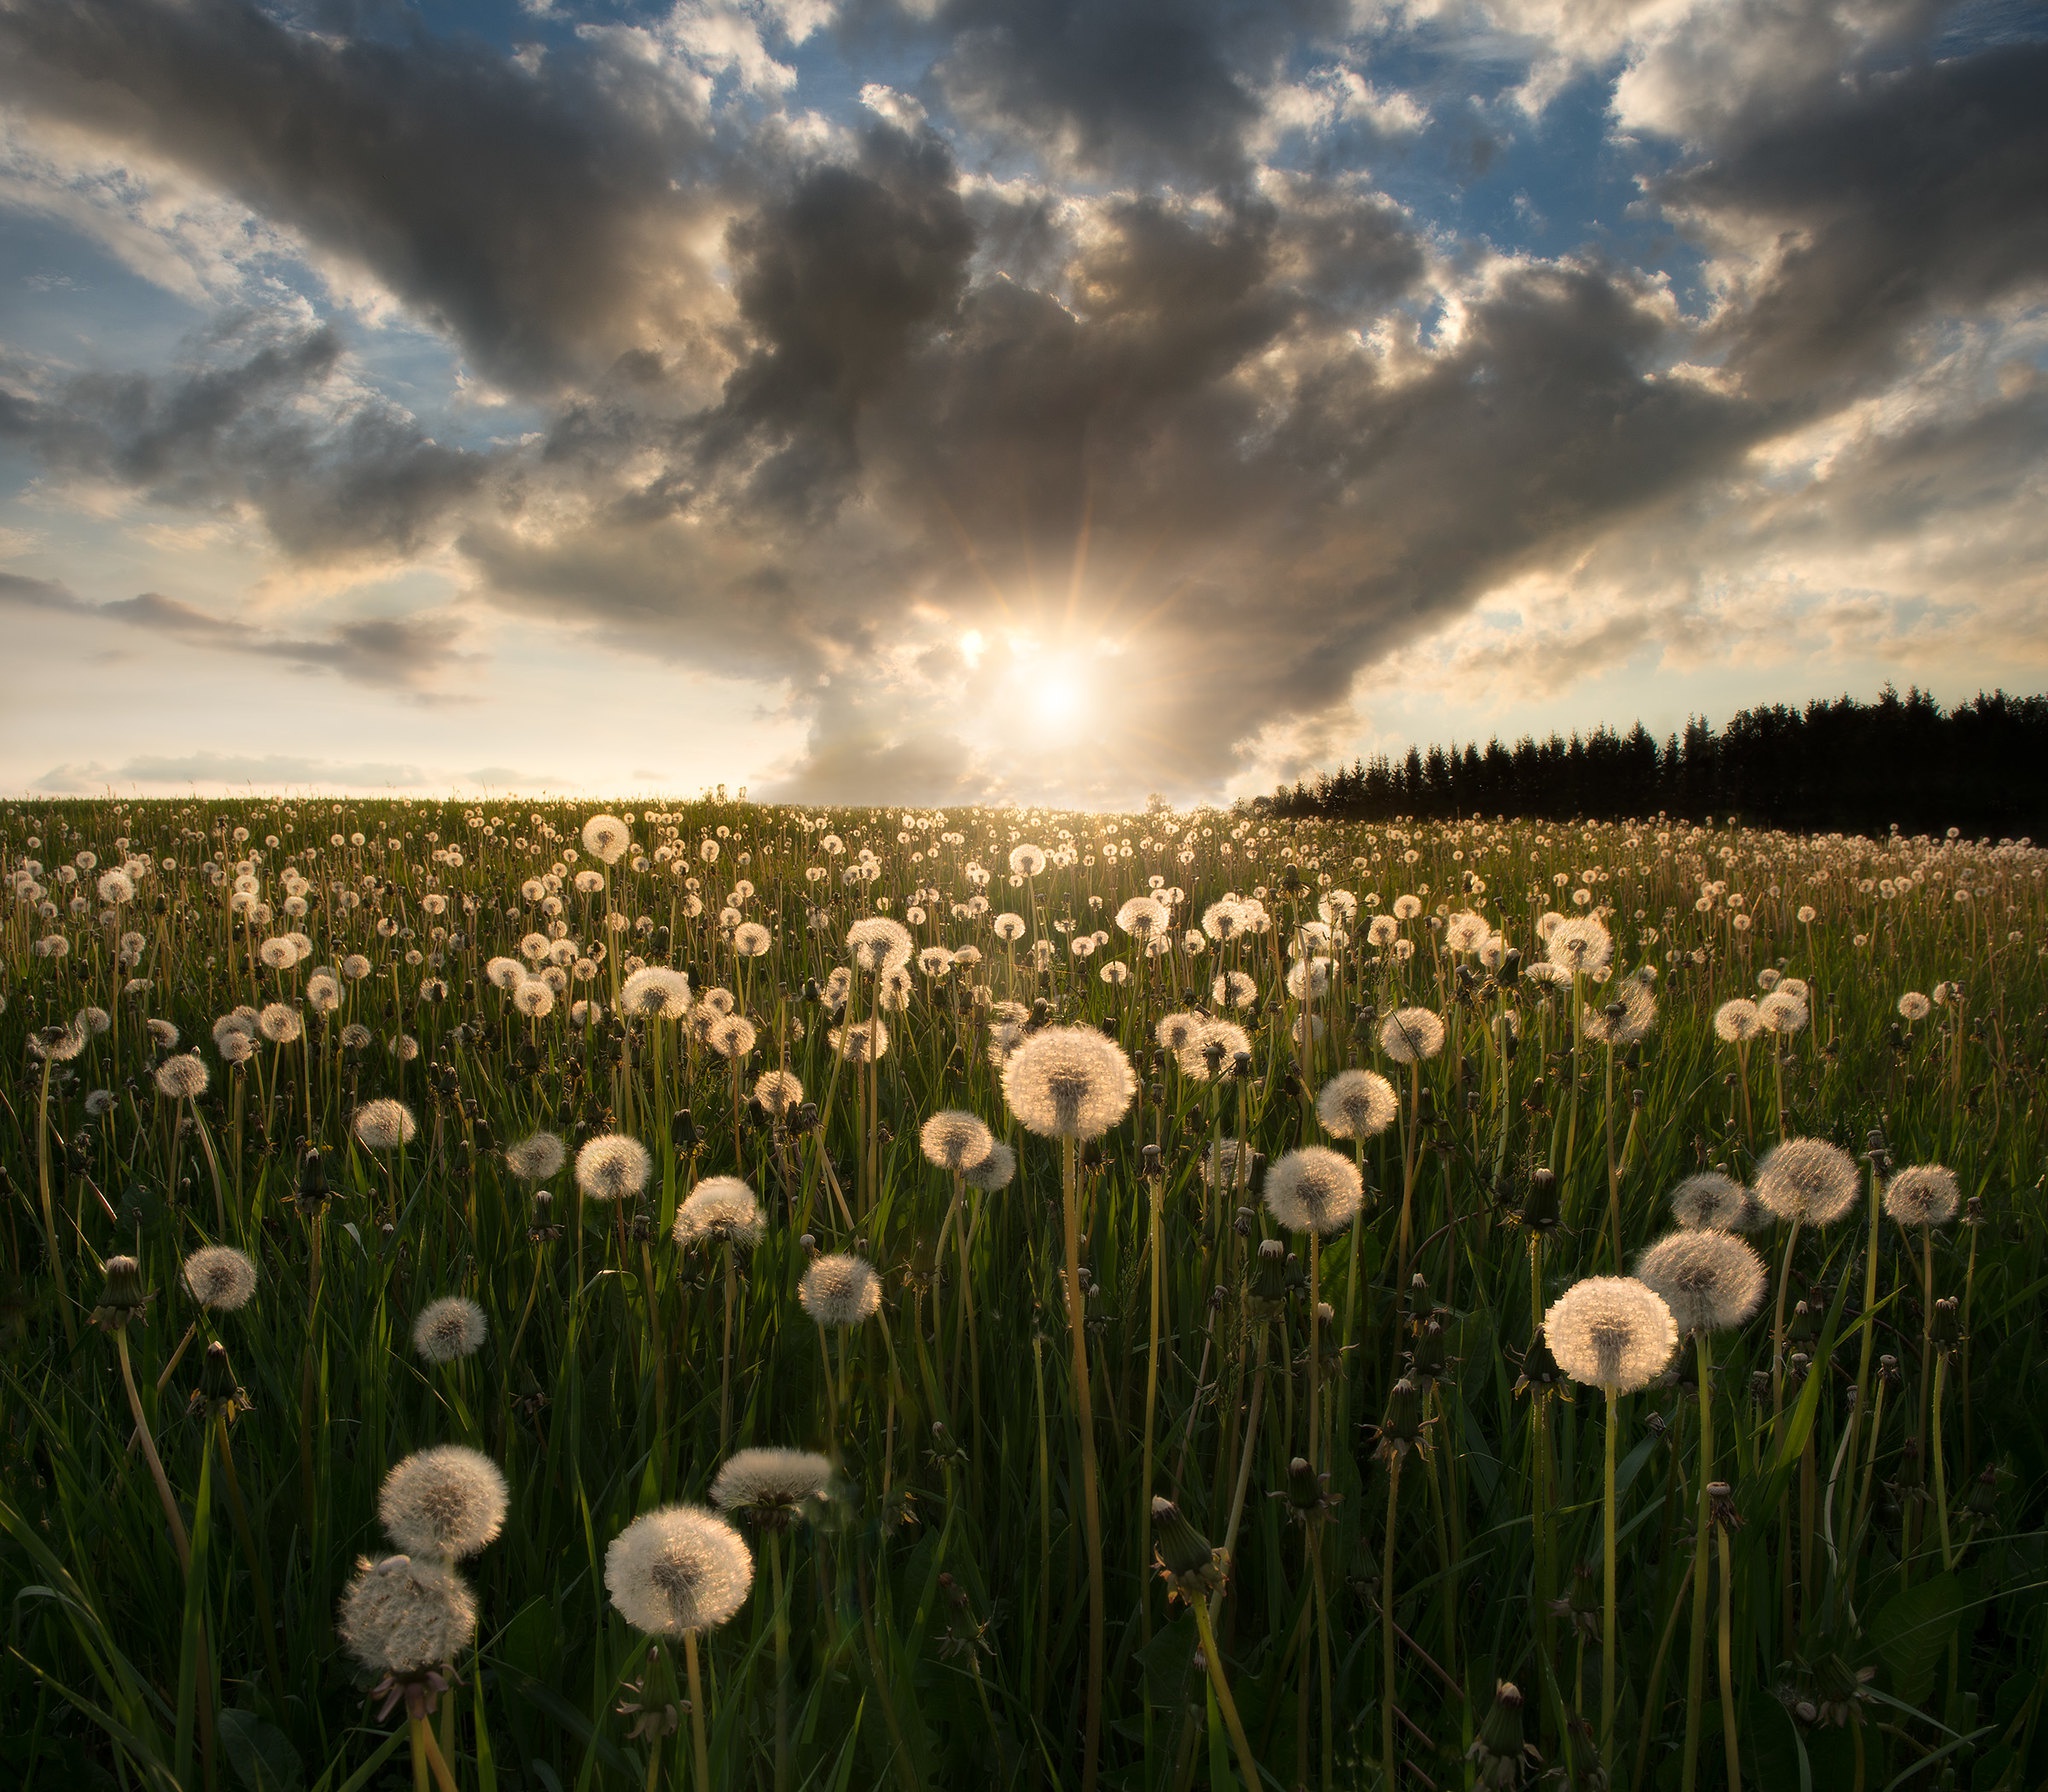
(1055, 700)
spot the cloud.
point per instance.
(542, 210)
(407, 654)
(267, 418)
(1881, 203)
(270, 771)
(1139, 89)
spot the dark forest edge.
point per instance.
(1981, 768)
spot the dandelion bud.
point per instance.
(1426, 1359)
(123, 1299)
(1511, 965)
(1499, 1753)
(1185, 1555)
(1149, 1163)
(1241, 1223)
(1255, 1174)
(1269, 1278)
(1401, 1429)
(682, 1130)
(1947, 1327)
(218, 1394)
(1540, 1210)
(1304, 1486)
(312, 1178)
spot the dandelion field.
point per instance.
(507, 1297)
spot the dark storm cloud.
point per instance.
(406, 654)
(263, 422)
(1897, 196)
(1137, 88)
(534, 211)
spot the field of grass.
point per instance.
(1448, 1505)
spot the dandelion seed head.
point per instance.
(537, 1157)
(403, 1616)
(1069, 1083)
(678, 1569)
(1196, 1058)
(612, 1167)
(384, 1124)
(1710, 1280)
(1914, 1006)
(606, 837)
(1314, 1190)
(1737, 1021)
(1580, 944)
(841, 1291)
(878, 943)
(1409, 1035)
(1923, 1195)
(448, 1502)
(1708, 1201)
(955, 1140)
(1176, 1032)
(1611, 1332)
(772, 1485)
(182, 1078)
(995, 1170)
(1027, 860)
(731, 1036)
(220, 1277)
(777, 1091)
(449, 1329)
(719, 1210)
(861, 1041)
(1357, 1104)
(655, 992)
(1782, 1012)
(1807, 1180)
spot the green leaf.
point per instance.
(1910, 1635)
(260, 1753)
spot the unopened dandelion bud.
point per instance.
(1499, 1754)
(1185, 1555)
(312, 1177)
(123, 1298)
(1269, 1278)
(1540, 1210)
(1401, 1429)
(1947, 1323)
(218, 1393)
(1426, 1359)
(1304, 1487)
(682, 1130)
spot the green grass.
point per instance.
(938, 1604)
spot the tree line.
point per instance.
(1841, 765)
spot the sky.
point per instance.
(948, 401)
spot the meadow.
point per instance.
(507, 1296)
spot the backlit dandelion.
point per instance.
(182, 1078)
(220, 1277)
(720, 1210)
(1923, 1195)
(1611, 1332)
(1808, 1181)
(536, 1157)
(449, 1329)
(841, 1291)
(404, 1616)
(1710, 1280)
(1710, 1201)
(1314, 1189)
(1357, 1104)
(1410, 1035)
(678, 1570)
(384, 1125)
(772, 1486)
(448, 1501)
(606, 837)
(612, 1167)
(954, 1140)
(1737, 1021)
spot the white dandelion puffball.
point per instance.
(1357, 1104)
(1710, 1280)
(879, 943)
(1611, 1332)
(1922, 1195)
(751, 940)
(1581, 944)
(182, 1078)
(384, 1125)
(402, 1616)
(1228, 1039)
(770, 1484)
(1176, 1032)
(655, 992)
(606, 837)
(719, 1210)
(861, 1041)
(1914, 1006)
(1409, 1035)
(220, 1277)
(841, 1291)
(536, 1158)
(731, 1036)
(955, 1140)
(1738, 1021)
(1807, 1180)
(534, 999)
(612, 1167)
(1068, 1083)
(448, 1501)
(449, 1329)
(995, 1170)
(1711, 1202)
(777, 1091)
(678, 1569)
(1314, 1190)
(1782, 1012)
(1027, 860)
